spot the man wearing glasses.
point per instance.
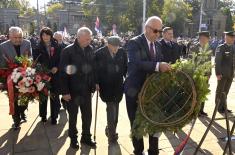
(144, 57)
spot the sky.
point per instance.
(40, 3)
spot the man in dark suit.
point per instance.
(111, 66)
(144, 57)
(77, 73)
(170, 49)
(15, 46)
(224, 69)
(201, 47)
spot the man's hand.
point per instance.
(219, 77)
(54, 70)
(66, 97)
(164, 67)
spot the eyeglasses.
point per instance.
(155, 30)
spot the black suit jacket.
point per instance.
(170, 53)
(140, 64)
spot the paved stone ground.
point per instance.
(36, 138)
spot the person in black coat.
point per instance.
(111, 65)
(224, 70)
(77, 78)
(170, 49)
(47, 53)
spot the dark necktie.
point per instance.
(169, 44)
(151, 50)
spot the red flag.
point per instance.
(97, 24)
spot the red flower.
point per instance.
(46, 77)
(38, 78)
(31, 89)
(52, 51)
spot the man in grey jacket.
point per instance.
(15, 46)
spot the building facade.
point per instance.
(8, 17)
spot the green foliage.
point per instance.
(52, 8)
(175, 14)
(229, 19)
(226, 4)
(22, 5)
(195, 5)
(161, 108)
(32, 28)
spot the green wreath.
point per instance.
(169, 101)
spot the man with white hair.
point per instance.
(59, 37)
(144, 57)
(77, 77)
(15, 46)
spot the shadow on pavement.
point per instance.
(219, 131)
(8, 140)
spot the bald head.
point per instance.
(153, 28)
(152, 20)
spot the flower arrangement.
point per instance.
(25, 81)
(30, 81)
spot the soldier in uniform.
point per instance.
(202, 46)
(224, 69)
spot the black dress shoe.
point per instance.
(44, 119)
(88, 142)
(202, 113)
(223, 111)
(74, 145)
(16, 126)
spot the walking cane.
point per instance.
(96, 108)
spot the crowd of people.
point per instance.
(112, 66)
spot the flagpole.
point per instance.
(144, 14)
(201, 10)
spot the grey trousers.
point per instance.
(112, 118)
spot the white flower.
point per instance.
(33, 71)
(18, 75)
(40, 86)
(23, 90)
(27, 84)
(24, 79)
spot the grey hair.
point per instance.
(83, 30)
(15, 29)
(57, 33)
(151, 19)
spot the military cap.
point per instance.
(204, 33)
(229, 33)
(114, 40)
